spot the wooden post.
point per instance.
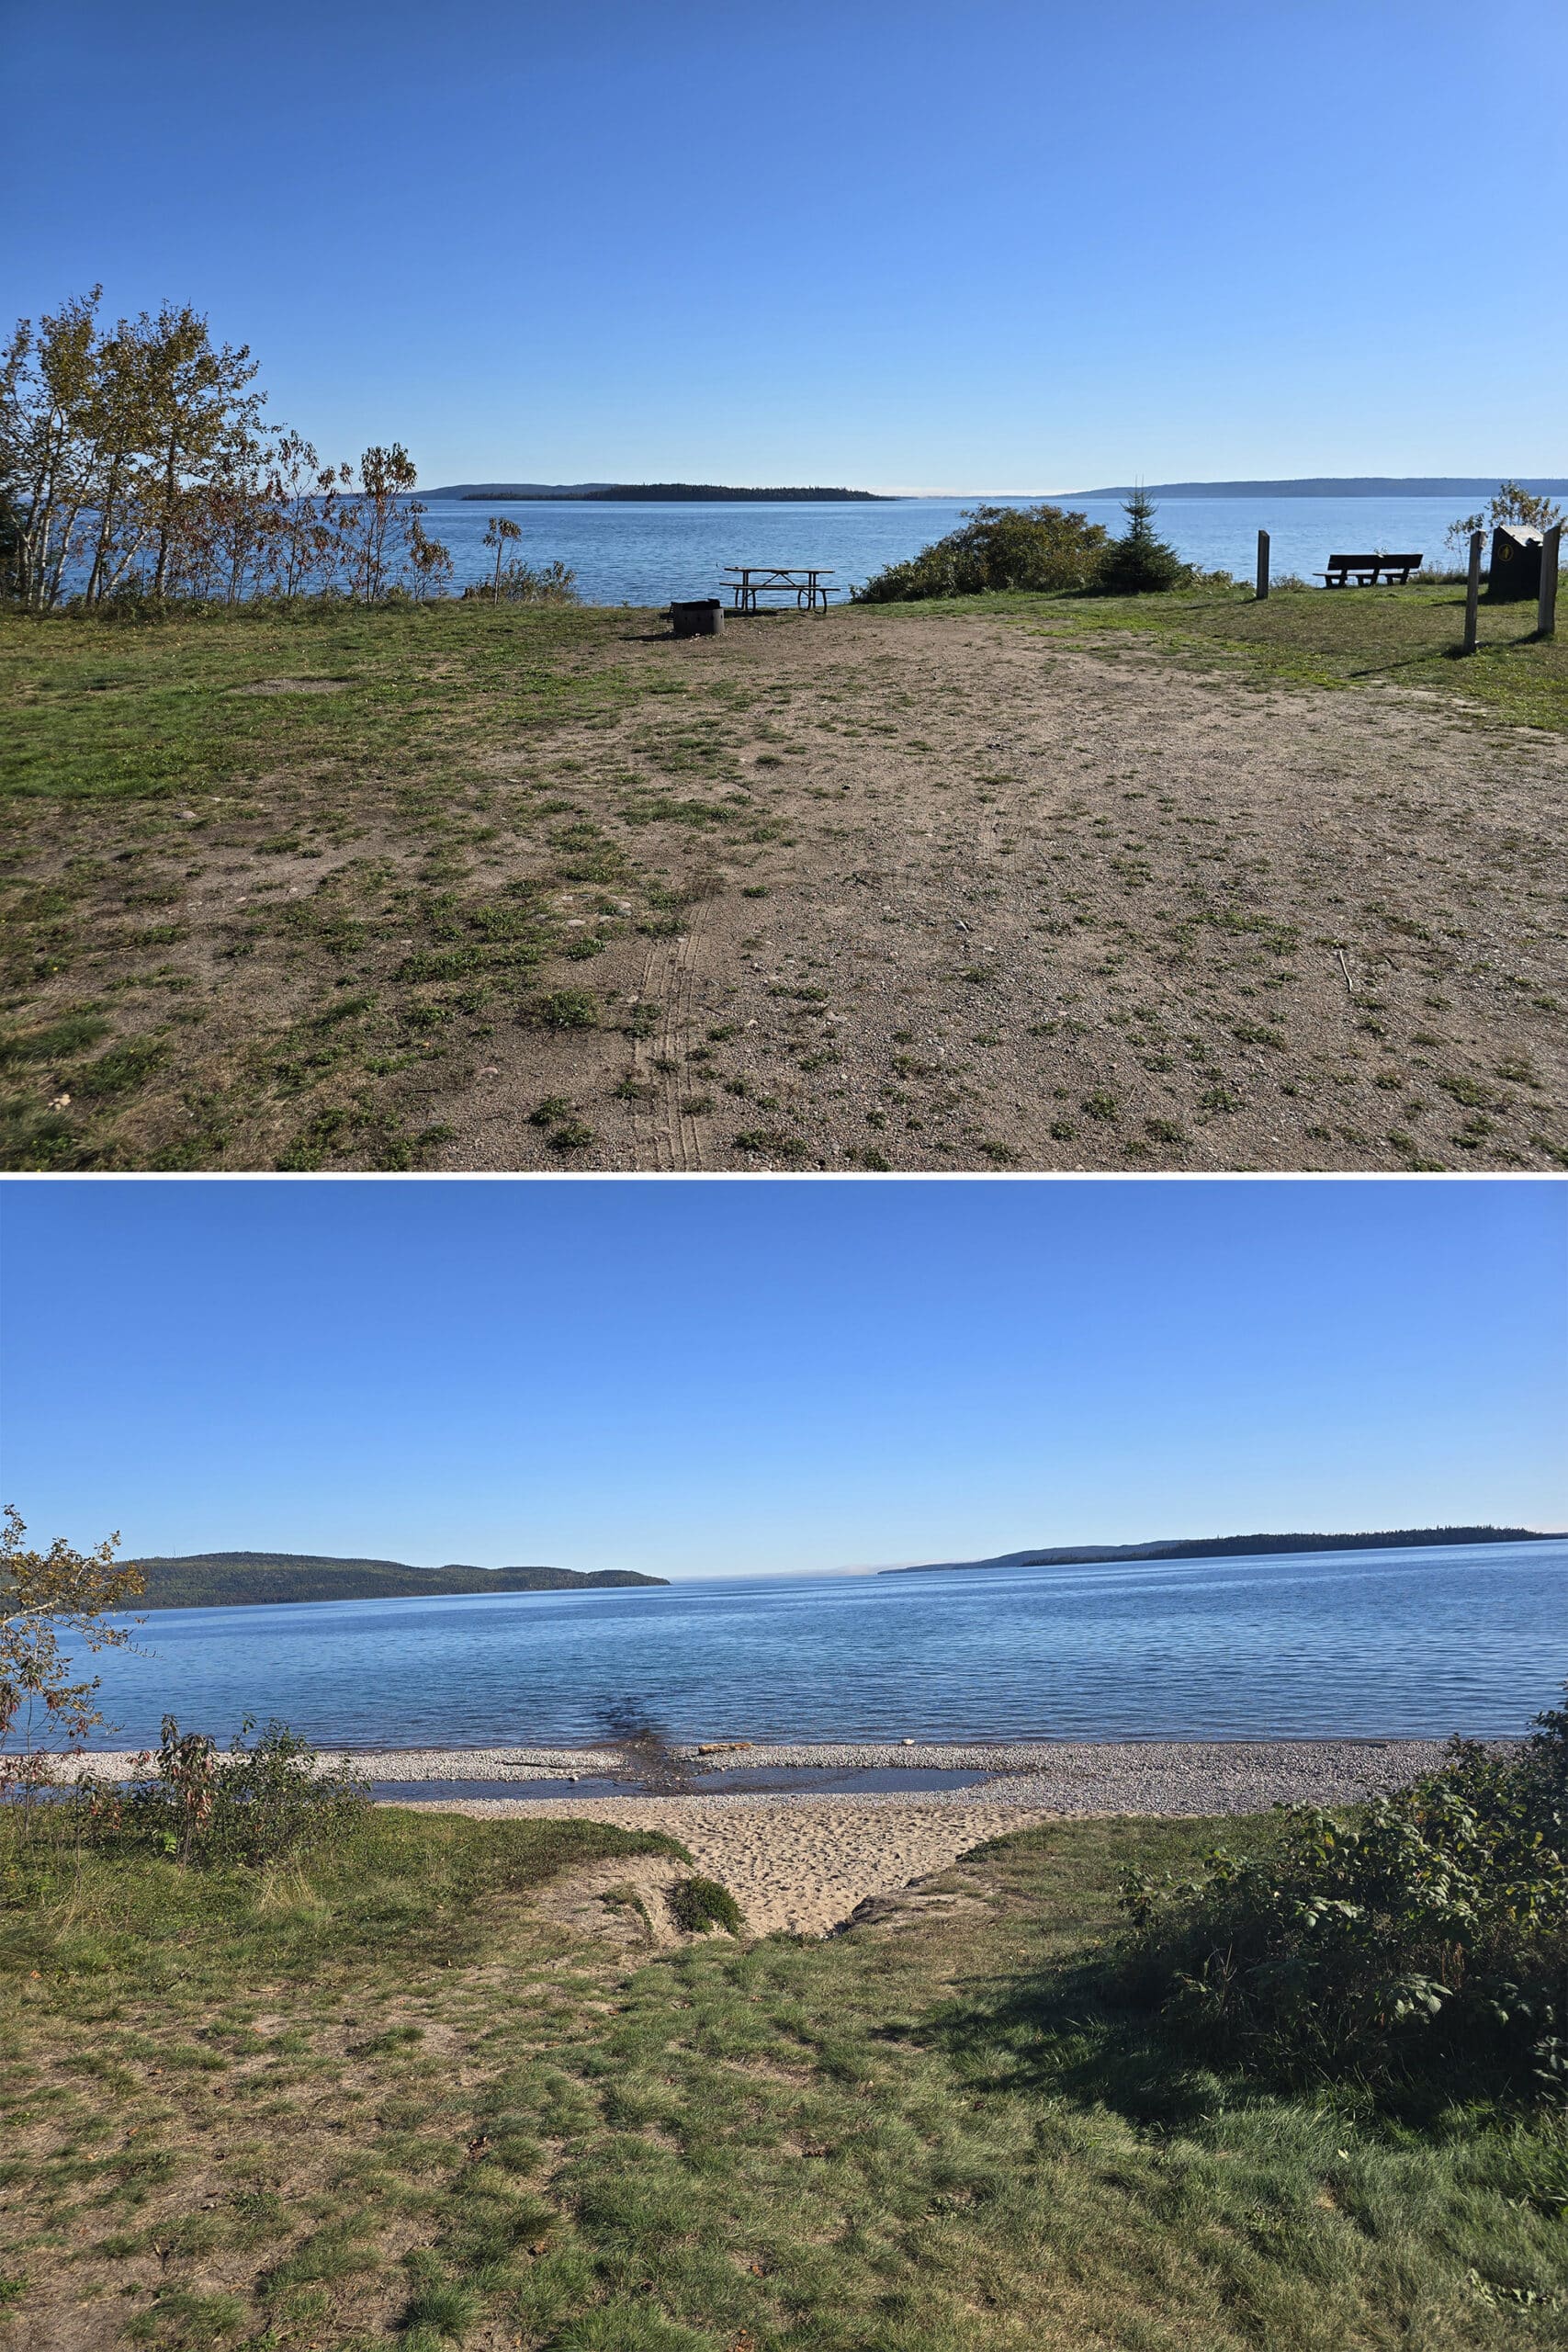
(1546, 608)
(1263, 565)
(1473, 592)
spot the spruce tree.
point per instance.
(1139, 564)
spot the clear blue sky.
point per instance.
(1005, 244)
(719, 1378)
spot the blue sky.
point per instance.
(744, 1377)
(1006, 244)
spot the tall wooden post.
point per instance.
(1546, 606)
(1473, 592)
(1263, 565)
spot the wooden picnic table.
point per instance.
(803, 581)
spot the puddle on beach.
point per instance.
(798, 1780)
(777, 1779)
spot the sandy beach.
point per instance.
(800, 1864)
(804, 1862)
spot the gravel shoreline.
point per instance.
(1102, 1776)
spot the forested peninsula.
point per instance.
(660, 493)
(240, 1579)
(1208, 1547)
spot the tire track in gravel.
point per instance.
(650, 1119)
(668, 1137)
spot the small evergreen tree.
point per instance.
(1139, 564)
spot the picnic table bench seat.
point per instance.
(1366, 571)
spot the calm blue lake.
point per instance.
(628, 553)
(1362, 1644)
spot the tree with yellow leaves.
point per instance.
(46, 1599)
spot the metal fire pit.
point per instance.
(705, 617)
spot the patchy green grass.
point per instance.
(291, 916)
(1387, 637)
(104, 710)
(392, 2104)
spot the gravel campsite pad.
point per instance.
(888, 888)
(1054, 909)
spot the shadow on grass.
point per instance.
(1066, 2034)
(1076, 2032)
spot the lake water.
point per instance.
(630, 553)
(1357, 1645)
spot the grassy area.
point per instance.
(394, 2104)
(313, 797)
(1386, 637)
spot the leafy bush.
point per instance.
(1139, 564)
(267, 1802)
(1428, 1929)
(1039, 548)
(699, 1904)
(525, 583)
(1511, 502)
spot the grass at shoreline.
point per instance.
(389, 2103)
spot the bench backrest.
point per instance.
(1366, 562)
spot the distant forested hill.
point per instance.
(1332, 486)
(718, 491)
(514, 489)
(664, 493)
(1207, 1547)
(235, 1580)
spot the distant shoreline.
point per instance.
(1456, 486)
(1236, 1547)
(1323, 486)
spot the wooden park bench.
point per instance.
(1367, 570)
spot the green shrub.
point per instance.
(1041, 547)
(266, 1802)
(1139, 564)
(699, 1904)
(525, 583)
(1427, 1931)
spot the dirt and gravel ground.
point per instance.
(1030, 905)
(889, 888)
